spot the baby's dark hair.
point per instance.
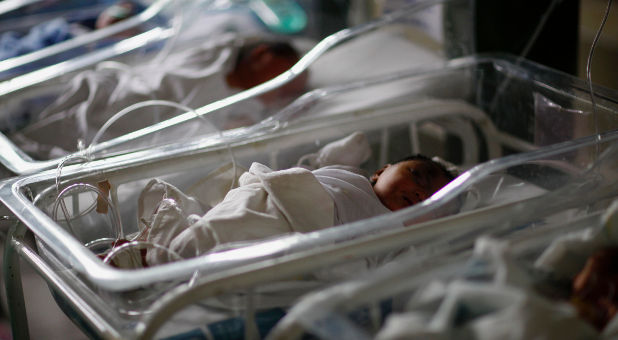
(449, 175)
(280, 48)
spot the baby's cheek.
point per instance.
(397, 204)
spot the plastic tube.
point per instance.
(115, 217)
(589, 72)
(139, 105)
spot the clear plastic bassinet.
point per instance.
(523, 281)
(26, 100)
(248, 299)
(556, 232)
(59, 31)
(429, 116)
(467, 111)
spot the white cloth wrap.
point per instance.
(351, 192)
(508, 307)
(352, 150)
(267, 203)
(166, 212)
(493, 312)
(193, 77)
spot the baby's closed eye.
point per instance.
(420, 178)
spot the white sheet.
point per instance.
(507, 305)
(267, 203)
(493, 312)
(193, 77)
(351, 193)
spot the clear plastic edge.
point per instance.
(149, 13)
(20, 165)
(116, 280)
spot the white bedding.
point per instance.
(266, 203)
(193, 77)
(502, 300)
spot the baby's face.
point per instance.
(115, 13)
(264, 64)
(406, 183)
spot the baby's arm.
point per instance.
(352, 150)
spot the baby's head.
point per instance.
(119, 11)
(260, 62)
(594, 288)
(409, 181)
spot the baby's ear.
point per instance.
(377, 174)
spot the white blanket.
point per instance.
(506, 304)
(480, 311)
(351, 193)
(193, 77)
(267, 203)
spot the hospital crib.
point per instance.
(437, 250)
(153, 22)
(515, 283)
(334, 60)
(466, 111)
(18, 18)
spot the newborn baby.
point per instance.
(409, 181)
(194, 77)
(595, 288)
(269, 203)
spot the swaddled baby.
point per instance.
(193, 77)
(268, 203)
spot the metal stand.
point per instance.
(13, 286)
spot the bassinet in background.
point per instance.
(380, 47)
(468, 111)
(517, 284)
(39, 34)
